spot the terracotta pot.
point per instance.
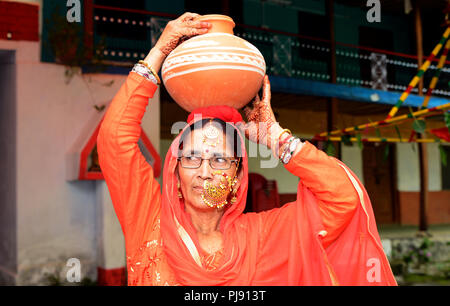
(216, 68)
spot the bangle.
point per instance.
(287, 153)
(279, 144)
(145, 72)
(288, 139)
(284, 146)
(282, 132)
(281, 152)
(152, 71)
(282, 143)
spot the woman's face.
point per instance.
(192, 180)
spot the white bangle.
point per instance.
(145, 72)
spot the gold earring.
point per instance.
(234, 191)
(180, 195)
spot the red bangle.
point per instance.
(282, 142)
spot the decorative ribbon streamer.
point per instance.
(387, 122)
(385, 139)
(435, 78)
(419, 74)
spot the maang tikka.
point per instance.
(211, 135)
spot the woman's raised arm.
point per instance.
(329, 180)
(134, 191)
(324, 176)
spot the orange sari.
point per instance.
(328, 236)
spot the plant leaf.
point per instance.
(360, 143)
(329, 149)
(386, 152)
(398, 133)
(346, 140)
(447, 120)
(411, 112)
(100, 108)
(443, 155)
(419, 126)
(377, 131)
(108, 84)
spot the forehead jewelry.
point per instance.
(210, 135)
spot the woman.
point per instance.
(195, 232)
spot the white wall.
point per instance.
(351, 156)
(434, 167)
(262, 161)
(408, 171)
(56, 220)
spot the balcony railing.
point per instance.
(129, 34)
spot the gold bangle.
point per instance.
(151, 70)
(282, 132)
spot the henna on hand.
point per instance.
(179, 30)
(169, 46)
(262, 126)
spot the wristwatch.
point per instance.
(287, 154)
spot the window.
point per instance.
(309, 58)
(128, 28)
(313, 25)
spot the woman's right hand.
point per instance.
(179, 30)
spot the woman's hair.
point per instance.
(231, 133)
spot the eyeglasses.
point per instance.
(217, 163)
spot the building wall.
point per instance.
(347, 20)
(56, 219)
(40, 4)
(408, 183)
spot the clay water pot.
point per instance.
(216, 68)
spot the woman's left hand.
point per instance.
(262, 126)
(179, 30)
